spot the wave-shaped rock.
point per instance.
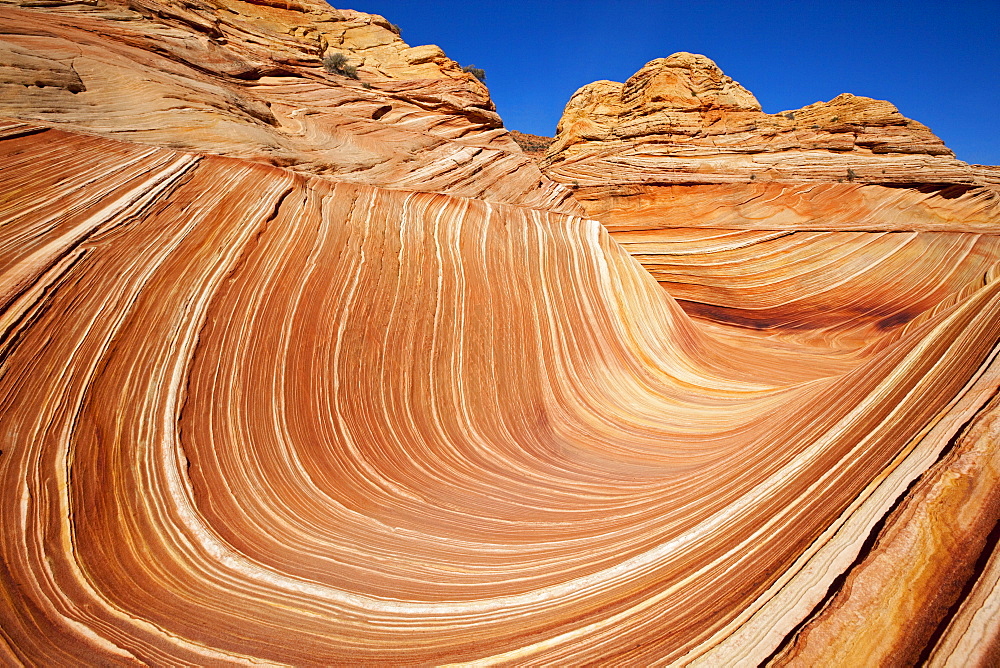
(418, 409)
(841, 227)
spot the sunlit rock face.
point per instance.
(302, 369)
(850, 163)
(840, 229)
(744, 216)
(681, 120)
(246, 80)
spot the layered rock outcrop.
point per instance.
(356, 383)
(247, 80)
(681, 146)
(679, 121)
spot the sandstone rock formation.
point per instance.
(681, 146)
(679, 121)
(246, 80)
(839, 227)
(299, 370)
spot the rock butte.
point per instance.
(303, 369)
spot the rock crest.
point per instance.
(699, 126)
(680, 132)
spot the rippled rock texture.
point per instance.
(681, 120)
(302, 369)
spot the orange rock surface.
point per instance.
(840, 227)
(246, 80)
(301, 369)
(681, 120)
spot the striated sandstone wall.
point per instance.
(840, 227)
(681, 146)
(300, 371)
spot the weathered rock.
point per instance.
(790, 205)
(987, 175)
(680, 120)
(682, 146)
(246, 80)
(742, 217)
(534, 146)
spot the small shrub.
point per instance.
(790, 116)
(336, 63)
(396, 29)
(851, 175)
(477, 72)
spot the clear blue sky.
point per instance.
(938, 62)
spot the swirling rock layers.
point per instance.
(309, 422)
(680, 145)
(158, 73)
(841, 227)
(311, 415)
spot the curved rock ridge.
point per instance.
(845, 287)
(246, 80)
(420, 411)
(296, 420)
(840, 228)
(795, 205)
(681, 146)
